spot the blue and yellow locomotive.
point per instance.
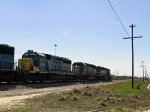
(40, 66)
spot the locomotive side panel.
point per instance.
(78, 68)
(6, 61)
(90, 69)
(7, 72)
(66, 66)
(58, 65)
(6, 57)
(103, 73)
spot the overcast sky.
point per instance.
(84, 30)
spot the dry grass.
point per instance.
(106, 98)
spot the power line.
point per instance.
(118, 17)
(126, 6)
(122, 8)
(110, 9)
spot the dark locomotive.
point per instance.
(34, 66)
(7, 72)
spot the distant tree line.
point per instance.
(114, 77)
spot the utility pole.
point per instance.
(143, 69)
(146, 74)
(132, 38)
(55, 48)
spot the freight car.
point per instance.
(7, 72)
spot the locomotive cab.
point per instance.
(39, 59)
(26, 65)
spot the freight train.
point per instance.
(34, 66)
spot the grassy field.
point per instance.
(116, 97)
(140, 88)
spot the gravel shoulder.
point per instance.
(14, 95)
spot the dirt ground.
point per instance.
(148, 87)
(14, 95)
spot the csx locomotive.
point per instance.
(34, 66)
